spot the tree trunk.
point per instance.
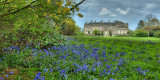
(148, 33)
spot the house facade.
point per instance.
(107, 28)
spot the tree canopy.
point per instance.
(23, 21)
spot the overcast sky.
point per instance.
(129, 11)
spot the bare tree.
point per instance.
(148, 22)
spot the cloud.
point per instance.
(150, 5)
(123, 12)
(105, 11)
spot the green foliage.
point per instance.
(80, 33)
(110, 33)
(130, 33)
(151, 33)
(69, 27)
(123, 35)
(141, 24)
(52, 39)
(33, 21)
(97, 32)
(140, 33)
(157, 34)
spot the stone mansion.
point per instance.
(107, 28)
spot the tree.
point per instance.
(24, 21)
(150, 22)
(96, 32)
(70, 27)
(130, 33)
(140, 33)
(154, 22)
(157, 34)
(140, 24)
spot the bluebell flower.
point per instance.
(103, 54)
(125, 78)
(7, 75)
(51, 69)
(37, 76)
(112, 79)
(58, 67)
(122, 53)
(109, 71)
(2, 78)
(35, 54)
(139, 70)
(80, 68)
(96, 64)
(62, 71)
(86, 51)
(18, 52)
(94, 69)
(66, 68)
(0, 60)
(116, 68)
(92, 55)
(120, 63)
(10, 49)
(42, 78)
(65, 76)
(96, 57)
(108, 67)
(133, 50)
(45, 70)
(144, 72)
(104, 71)
(117, 55)
(11, 72)
(84, 67)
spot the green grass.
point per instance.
(153, 39)
(87, 57)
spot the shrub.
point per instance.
(121, 35)
(130, 33)
(151, 33)
(80, 33)
(140, 33)
(157, 34)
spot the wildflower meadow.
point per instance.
(85, 58)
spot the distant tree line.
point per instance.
(148, 27)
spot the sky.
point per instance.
(128, 11)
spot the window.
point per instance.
(126, 31)
(121, 31)
(118, 31)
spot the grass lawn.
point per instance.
(85, 58)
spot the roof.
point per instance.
(121, 24)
